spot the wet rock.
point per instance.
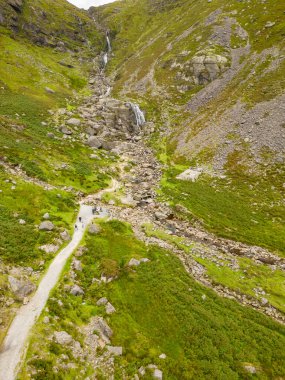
(63, 338)
(76, 291)
(46, 226)
(20, 288)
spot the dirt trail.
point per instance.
(16, 340)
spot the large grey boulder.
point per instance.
(102, 328)
(46, 226)
(94, 229)
(95, 142)
(115, 350)
(207, 66)
(20, 288)
(63, 338)
(65, 235)
(110, 308)
(73, 121)
(76, 290)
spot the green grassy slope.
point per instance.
(159, 309)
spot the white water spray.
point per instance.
(140, 119)
(105, 59)
(108, 43)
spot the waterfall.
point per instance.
(140, 119)
(108, 43)
(105, 59)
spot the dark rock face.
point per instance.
(16, 5)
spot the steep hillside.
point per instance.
(211, 74)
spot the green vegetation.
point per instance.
(241, 208)
(159, 309)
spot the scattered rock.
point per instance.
(49, 248)
(141, 371)
(162, 356)
(102, 301)
(22, 221)
(63, 338)
(46, 216)
(76, 291)
(110, 308)
(73, 121)
(157, 374)
(46, 320)
(102, 328)
(65, 235)
(77, 265)
(21, 289)
(46, 226)
(66, 131)
(49, 90)
(250, 368)
(94, 229)
(134, 263)
(117, 351)
(95, 142)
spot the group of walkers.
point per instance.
(80, 219)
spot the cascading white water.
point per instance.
(105, 59)
(108, 43)
(140, 119)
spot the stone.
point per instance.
(144, 260)
(76, 291)
(50, 135)
(65, 235)
(94, 229)
(250, 368)
(46, 320)
(49, 248)
(46, 216)
(63, 338)
(134, 263)
(157, 374)
(74, 122)
(102, 328)
(66, 131)
(141, 371)
(204, 297)
(264, 301)
(110, 308)
(20, 288)
(95, 142)
(117, 351)
(190, 174)
(49, 90)
(22, 221)
(77, 265)
(25, 300)
(102, 301)
(46, 226)
(162, 356)
(159, 215)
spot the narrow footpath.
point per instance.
(16, 341)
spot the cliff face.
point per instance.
(48, 23)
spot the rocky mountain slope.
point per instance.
(211, 74)
(167, 118)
